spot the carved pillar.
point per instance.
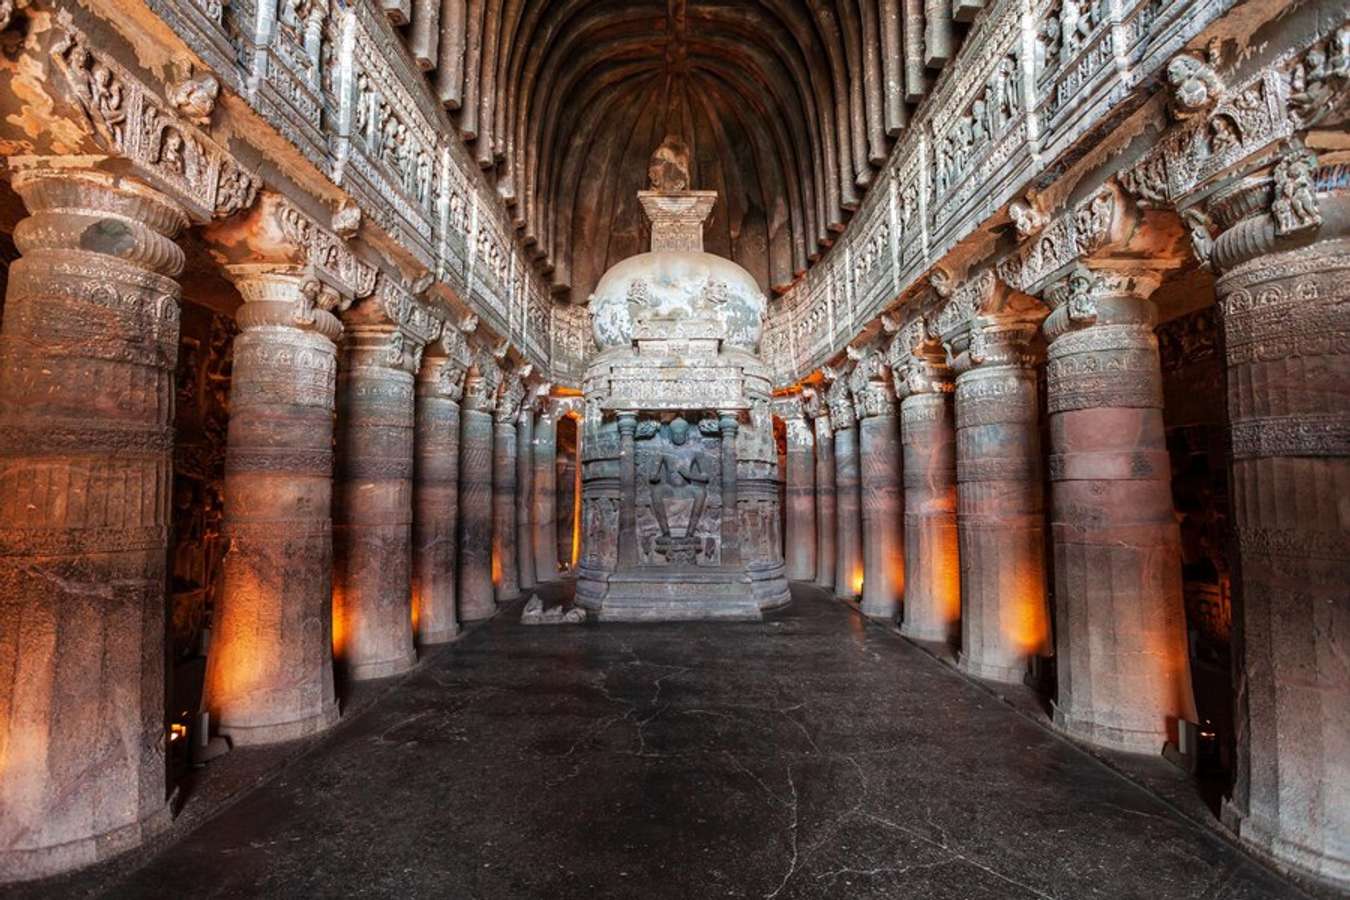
(932, 562)
(372, 613)
(731, 527)
(1120, 643)
(87, 361)
(476, 600)
(883, 543)
(801, 491)
(826, 524)
(436, 488)
(525, 496)
(1283, 293)
(269, 674)
(544, 511)
(848, 562)
(505, 564)
(1000, 502)
(627, 422)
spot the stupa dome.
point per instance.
(670, 285)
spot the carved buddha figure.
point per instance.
(680, 472)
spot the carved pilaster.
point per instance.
(372, 613)
(1283, 296)
(476, 600)
(826, 502)
(924, 383)
(87, 360)
(525, 490)
(1000, 499)
(505, 561)
(800, 482)
(270, 670)
(883, 542)
(543, 510)
(440, 385)
(848, 561)
(1121, 655)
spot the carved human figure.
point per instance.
(679, 474)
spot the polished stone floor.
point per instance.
(808, 756)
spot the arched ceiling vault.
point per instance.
(788, 106)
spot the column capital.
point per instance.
(512, 395)
(285, 294)
(76, 206)
(918, 361)
(1097, 295)
(839, 400)
(789, 407)
(870, 384)
(729, 421)
(444, 363)
(996, 341)
(276, 231)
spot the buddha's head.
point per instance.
(679, 431)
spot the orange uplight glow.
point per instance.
(339, 625)
(857, 581)
(496, 568)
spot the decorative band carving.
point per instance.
(1023, 469)
(42, 437)
(81, 541)
(240, 460)
(1306, 434)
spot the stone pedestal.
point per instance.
(270, 668)
(800, 477)
(544, 504)
(476, 599)
(932, 561)
(1283, 296)
(436, 492)
(372, 612)
(826, 512)
(87, 361)
(525, 498)
(1121, 660)
(1000, 503)
(883, 543)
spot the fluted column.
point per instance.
(476, 600)
(1121, 662)
(883, 543)
(826, 518)
(372, 591)
(525, 496)
(544, 509)
(932, 609)
(1000, 502)
(801, 490)
(87, 360)
(440, 384)
(505, 562)
(269, 673)
(1284, 293)
(848, 562)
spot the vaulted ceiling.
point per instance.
(788, 107)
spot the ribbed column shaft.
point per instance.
(826, 505)
(476, 599)
(1000, 516)
(848, 564)
(883, 542)
(269, 672)
(436, 505)
(1121, 661)
(801, 500)
(372, 589)
(932, 561)
(544, 509)
(524, 499)
(87, 361)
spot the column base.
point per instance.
(827, 583)
(1110, 737)
(44, 862)
(478, 615)
(947, 635)
(275, 733)
(990, 672)
(382, 669)
(881, 612)
(1265, 841)
(441, 636)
